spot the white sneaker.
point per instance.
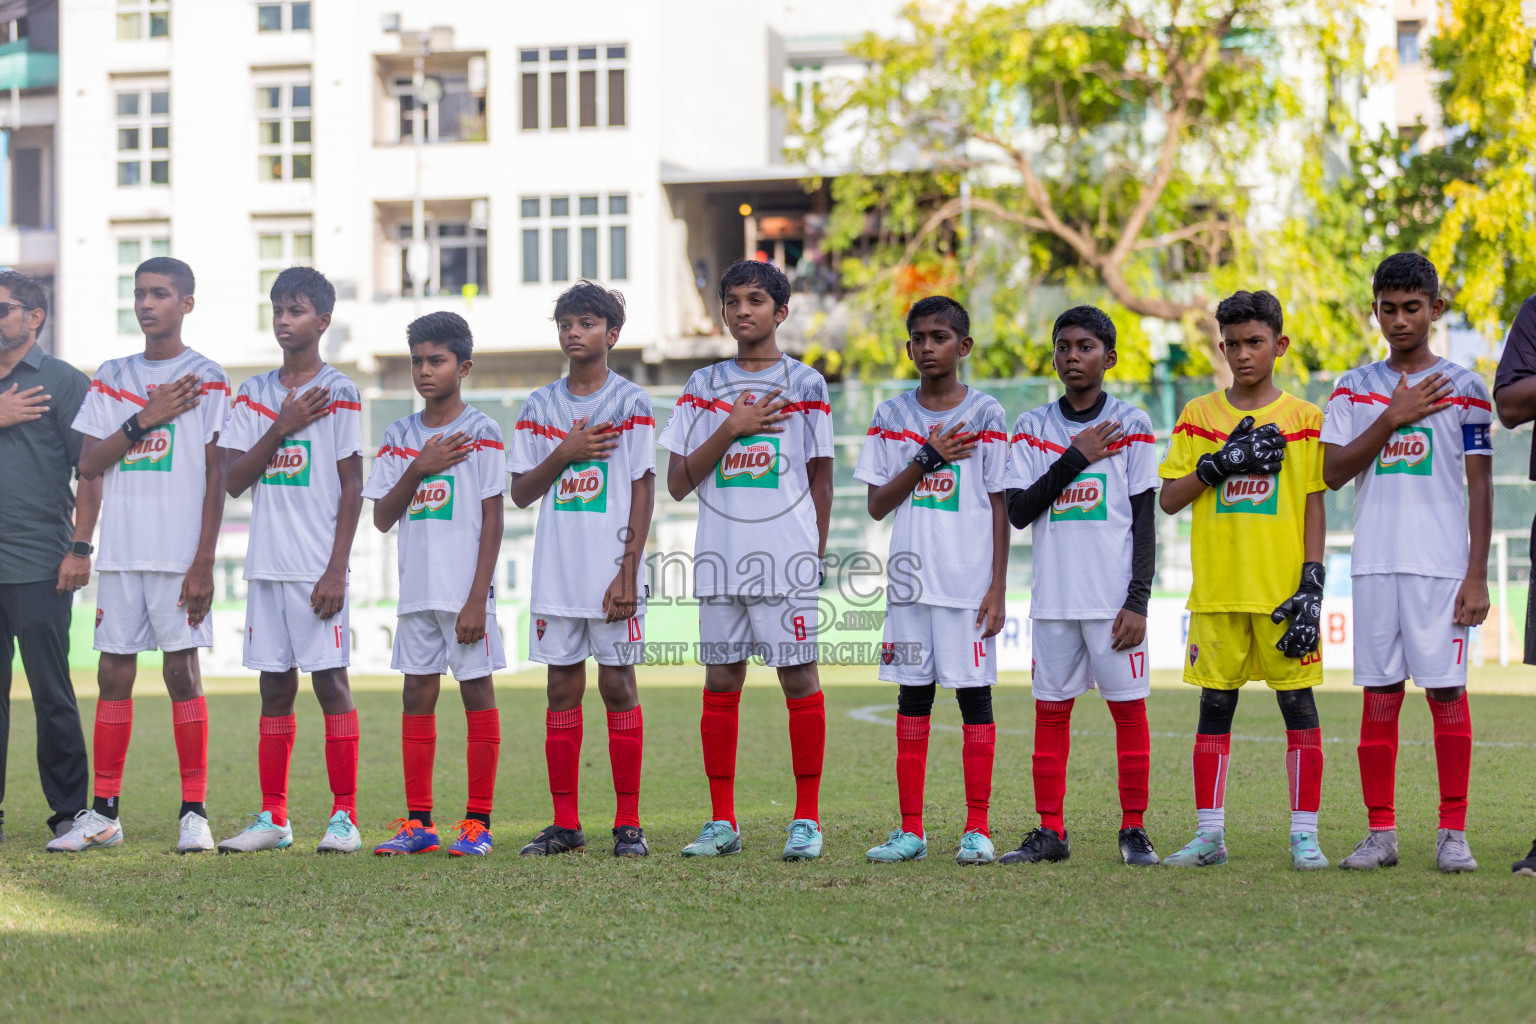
(341, 836)
(90, 830)
(196, 837)
(261, 834)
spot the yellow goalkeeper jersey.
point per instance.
(1246, 544)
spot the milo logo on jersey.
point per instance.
(152, 452)
(582, 487)
(289, 465)
(1083, 500)
(1408, 451)
(749, 462)
(1256, 495)
(433, 499)
(939, 489)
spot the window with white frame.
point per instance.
(143, 19)
(135, 245)
(455, 111)
(458, 257)
(285, 130)
(143, 126)
(288, 15)
(588, 237)
(280, 244)
(574, 87)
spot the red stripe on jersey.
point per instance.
(255, 406)
(1039, 442)
(991, 435)
(353, 406)
(539, 429)
(111, 392)
(1301, 435)
(215, 385)
(896, 435)
(484, 443)
(1367, 397)
(808, 407)
(1194, 431)
(704, 403)
(404, 453)
(1129, 439)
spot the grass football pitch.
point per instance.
(138, 933)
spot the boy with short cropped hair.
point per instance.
(1248, 459)
(294, 439)
(936, 457)
(1405, 430)
(151, 423)
(440, 474)
(753, 435)
(586, 446)
(1083, 471)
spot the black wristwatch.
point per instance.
(81, 548)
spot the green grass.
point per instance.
(139, 933)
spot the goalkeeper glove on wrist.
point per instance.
(1305, 610)
(1246, 452)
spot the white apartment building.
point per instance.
(613, 140)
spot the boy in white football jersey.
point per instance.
(441, 474)
(151, 423)
(1405, 430)
(294, 439)
(753, 435)
(586, 446)
(936, 457)
(1082, 470)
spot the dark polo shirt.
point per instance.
(37, 461)
(1519, 358)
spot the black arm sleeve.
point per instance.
(1143, 552)
(1025, 506)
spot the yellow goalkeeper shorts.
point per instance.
(1226, 649)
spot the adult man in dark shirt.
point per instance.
(1514, 394)
(45, 539)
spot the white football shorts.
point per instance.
(1069, 658)
(137, 612)
(427, 644)
(282, 631)
(564, 640)
(780, 630)
(925, 643)
(1403, 628)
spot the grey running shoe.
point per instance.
(1377, 850)
(1451, 851)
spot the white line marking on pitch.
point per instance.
(871, 713)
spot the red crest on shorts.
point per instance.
(887, 653)
(538, 626)
(1194, 653)
(98, 618)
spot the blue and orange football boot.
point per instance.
(412, 837)
(474, 839)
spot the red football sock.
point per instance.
(189, 721)
(1304, 774)
(274, 749)
(1133, 753)
(562, 752)
(482, 750)
(1453, 756)
(1378, 758)
(717, 728)
(1212, 752)
(626, 743)
(341, 737)
(807, 751)
(911, 769)
(1053, 743)
(109, 745)
(418, 750)
(976, 752)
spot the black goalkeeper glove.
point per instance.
(1246, 451)
(1305, 610)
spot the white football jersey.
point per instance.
(439, 535)
(757, 531)
(1082, 545)
(152, 500)
(1411, 502)
(294, 502)
(941, 541)
(584, 518)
